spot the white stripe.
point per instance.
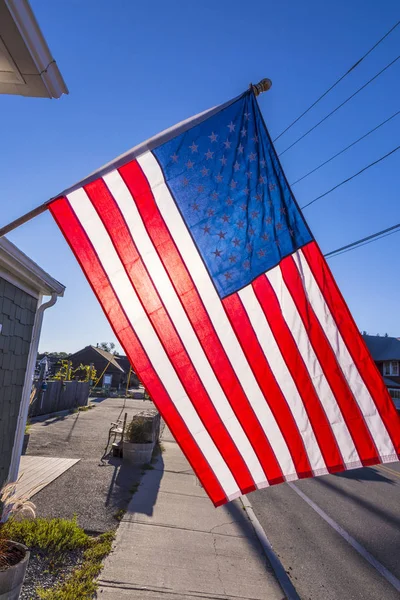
(283, 377)
(214, 308)
(174, 308)
(315, 371)
(350, 540)
(350, 371)
(112, 265)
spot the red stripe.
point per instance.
(91, 266)
(354, 342)
(118, 231)
(184, 286)
(351, 412)
(270, 388)
(318, 420)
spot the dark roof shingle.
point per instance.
(383, 348)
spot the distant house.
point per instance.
(385, 351)
(109, 369)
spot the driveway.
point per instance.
(91, 489)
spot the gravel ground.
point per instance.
(91, 489)
(46, 569)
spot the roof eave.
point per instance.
(12, 259)
(36, 45)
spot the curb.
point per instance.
(278, 568)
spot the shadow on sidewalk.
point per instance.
(127, 477)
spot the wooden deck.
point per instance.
(35, 472)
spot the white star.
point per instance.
(263, 163)
(240, 149)
(227, 144)
(233, 184)
(249, 174)
(252, 157)
(209, 154)
(193, 147)
(255, 139)
(214, 195)
(231, 126)
(247, 116)
(236, 166)
(213, 137)
(185, 181)
(204, 172)
(262, 179)
(244, 132)
(223, 160)
(246, 191)
(190, 164)
(219, 178)
(174, 158)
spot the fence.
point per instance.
(58, 397)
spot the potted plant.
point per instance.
(138, 443)
(14, 557)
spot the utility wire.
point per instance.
(340, 105)
(350, 178)
(364, 241)
(344, 149)
(338, 81)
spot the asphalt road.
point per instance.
(321, 564)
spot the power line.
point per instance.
(364, 241)
(338, 81)
(340, 105)
(347, 148)
(350, 178)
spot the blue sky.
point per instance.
(134, 69)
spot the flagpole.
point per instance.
(259, 88)
(21, 220)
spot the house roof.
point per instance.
(390, 383)
(21, 271)
(111, 358)
(27, 67)
(383, 348)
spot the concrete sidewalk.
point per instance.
(174, 545)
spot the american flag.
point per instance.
(216, 289)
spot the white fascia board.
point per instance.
(23, 272)
(35, 43)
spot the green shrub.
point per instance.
(82, 582)
(53, 534)
(139, 430)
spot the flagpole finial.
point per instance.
(263, 86)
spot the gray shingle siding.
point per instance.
(17, 314)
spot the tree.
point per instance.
(107, 347)
(59, 355)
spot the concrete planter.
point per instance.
(137, 454)
(11, 579)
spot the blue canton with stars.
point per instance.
(233, 196)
